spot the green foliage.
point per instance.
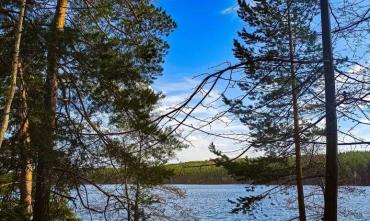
(259, 170)
(271, 170)
(195, 172)
(246, 204)
(278, 47)
(263, 48)
(109, 54)
(196, 167)
(354, 163)
(60, 210)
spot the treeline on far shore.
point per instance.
(354, 169)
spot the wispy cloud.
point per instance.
(176, 87)
(231, 9)
(178, 91)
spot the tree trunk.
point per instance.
(45, 155)
(331, 173)
(137, 202)
(138, 192)
(128, 199)
(14, 70)
(26, 162)
(296, 135)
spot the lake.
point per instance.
(210, 202)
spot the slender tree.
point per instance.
(296, 126)
(13, 75)
(280, 50)
(25, 152)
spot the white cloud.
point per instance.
(229, 10)
(176, 87)
(177, 93)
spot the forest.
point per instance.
(87, 133)
(354, 170)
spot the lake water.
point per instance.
(210, 202)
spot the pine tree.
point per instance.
(45, 159)
(280, 51)
(94, 71)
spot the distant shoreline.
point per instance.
(354, 171)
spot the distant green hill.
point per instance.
(199, 172)
(354, 169)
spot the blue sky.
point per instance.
(203, 39)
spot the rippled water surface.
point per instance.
(210, 202)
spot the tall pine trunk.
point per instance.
(331, 130)
(26, 162)
(45, 155)
(13, 81)
(296, 129)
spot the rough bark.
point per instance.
(14, 70)
(45, 155)
(296, 130)
(331, 130)
(26, 162)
